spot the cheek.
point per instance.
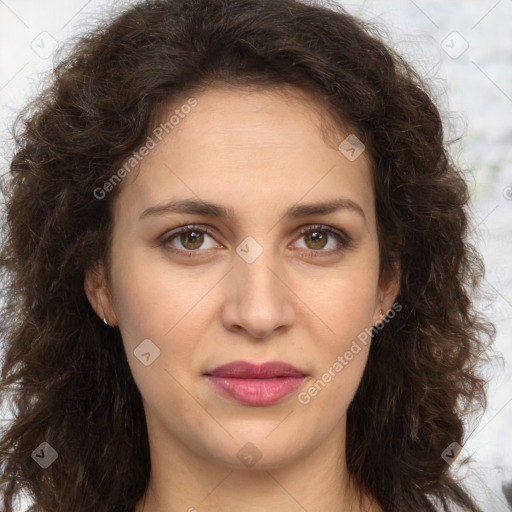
(342, 352)
(353, 310)
(152, 313)
(344, 304)
(345, 300)
(149, 299)
(163, 306)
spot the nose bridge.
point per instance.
(256, 279)
(260, 303)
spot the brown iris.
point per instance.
(192, 239)
(318, 238)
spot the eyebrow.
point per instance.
(207, 208)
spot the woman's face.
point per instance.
(249, 286)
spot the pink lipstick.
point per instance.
(256, 384)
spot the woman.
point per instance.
(238, 273)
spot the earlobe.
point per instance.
(96, 289)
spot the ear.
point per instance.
(389, 288)
(96, 289)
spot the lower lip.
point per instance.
(256, 391)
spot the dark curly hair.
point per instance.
(66, 375)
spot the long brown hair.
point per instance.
(66, 374)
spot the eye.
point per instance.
(190, 238)
(318, 237)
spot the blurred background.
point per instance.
(464, 51)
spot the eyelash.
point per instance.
(343, 239)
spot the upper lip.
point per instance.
(246, 370)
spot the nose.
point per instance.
(258, 300)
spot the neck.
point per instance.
(186, 481)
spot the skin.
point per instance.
(259, 153)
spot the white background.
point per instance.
(474, 90)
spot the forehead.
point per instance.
(253, 147)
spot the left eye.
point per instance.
(192, 238)
(318, 237)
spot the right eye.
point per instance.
(191, 238)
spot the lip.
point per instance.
(256, 384)
(246, 370)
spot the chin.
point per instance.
(258, 454)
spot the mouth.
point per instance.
(256, 384)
